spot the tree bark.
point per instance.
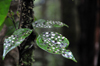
(87, 15)
(26, 19)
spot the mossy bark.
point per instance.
(26, 48)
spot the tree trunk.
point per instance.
(87, 14)
(26, 19)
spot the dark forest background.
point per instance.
(83, 18)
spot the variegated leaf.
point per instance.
(52, 42)
(68, 54)
(55, 43)
(47, 24)
(15, 39)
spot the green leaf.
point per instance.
(8, 22)
(47, 24)
(1, 27)
(4, 7)
(68, 54)
(35, 19)
(52, 42)
(10, 26)
(15, 40)
(55, 43)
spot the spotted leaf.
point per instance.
(68, 54)
(15, 40)
(52, 42)
(47, 24)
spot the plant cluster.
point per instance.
(52, 42)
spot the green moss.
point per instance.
(28, 58)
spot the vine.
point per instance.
(25, 37)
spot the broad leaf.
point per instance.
(47, 24)
(4, 7)
(68, 54)
(15, 40)
(52, 42)
(55, 43)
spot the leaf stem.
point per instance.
(12, 19)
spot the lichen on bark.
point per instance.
(26, 19)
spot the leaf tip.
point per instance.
(66, 25)
(3, 57)
(68, 54)
(74, 60)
